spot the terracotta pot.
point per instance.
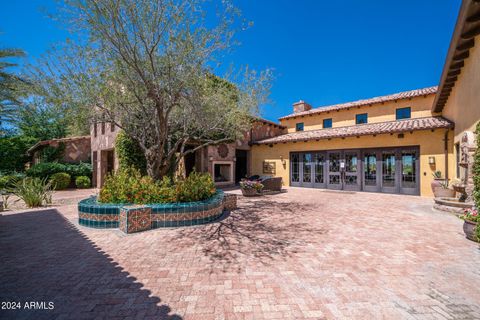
(250, 192)
(441, 192)
(469, 229)
(437, 182)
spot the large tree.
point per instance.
(10, 85)
(148, 66)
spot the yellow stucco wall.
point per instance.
(463, 105)
(421, 107)
(430, 143)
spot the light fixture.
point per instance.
(431, 160)
(211, 159)
(283, 161)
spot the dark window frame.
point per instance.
(330, 123)
(357, 118)
(399, 116)
(297, 126)
(103, 127)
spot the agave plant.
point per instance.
(34, 192)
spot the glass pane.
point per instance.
(388, 176)
(334, 162)
(295, 167)
(408, 169)
(334, 179)
(351, 180)
(307, 167)
(351, 162)
(370, 169)
(319, 160)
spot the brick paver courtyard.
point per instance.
(301, 254)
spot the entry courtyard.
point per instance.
(303, 253)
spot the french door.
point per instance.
(343, 169)
(389, 170)
(307, 169)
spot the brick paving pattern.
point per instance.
(300, 254)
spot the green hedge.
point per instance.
(83, 182)
(47, 169)
(60, 180)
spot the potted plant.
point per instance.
(437, 180)
(250, 188)
(470, 224)
(443, 191)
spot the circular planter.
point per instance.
(250, 192)
(469, 229)
(105, 215)
(441, 192)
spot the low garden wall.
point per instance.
(135, 218)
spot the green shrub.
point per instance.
(60, 180)
(83, 182)
(13, 152)
(47, 169)
(34, 191)
(129, 186)
(7, 181)
(196, 187)
(129, 153)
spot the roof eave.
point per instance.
(466, 29)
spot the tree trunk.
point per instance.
(154, 164)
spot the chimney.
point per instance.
(301, 106)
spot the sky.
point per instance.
(322, 51)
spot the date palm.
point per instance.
(9, 85)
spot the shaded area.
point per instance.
(45, 258)
(262, 229)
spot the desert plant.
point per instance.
(60, 180)
(437, 174)
(83, 182)
(34, 191)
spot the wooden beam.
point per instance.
(457, 65)
(467, 44)
(454, 73)
(461, 56)
(474, 17)
(471, 32)
(451, 79)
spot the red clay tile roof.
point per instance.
(363, 129)
(391, 97)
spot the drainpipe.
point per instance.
(446, 154)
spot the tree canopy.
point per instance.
(149, 67)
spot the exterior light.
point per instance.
(211, 158)
(431, 160)
(283, 161)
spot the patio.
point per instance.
(302, 254)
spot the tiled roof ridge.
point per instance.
(413, 124)
(367, 101)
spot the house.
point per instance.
(227, 162)
(391, 143)
(71, 150)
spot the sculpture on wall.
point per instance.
(467, 148)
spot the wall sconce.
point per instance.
(235, 159)
(283, 161)
(431, 160)
(211, 158)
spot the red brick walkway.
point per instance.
(302, 254)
